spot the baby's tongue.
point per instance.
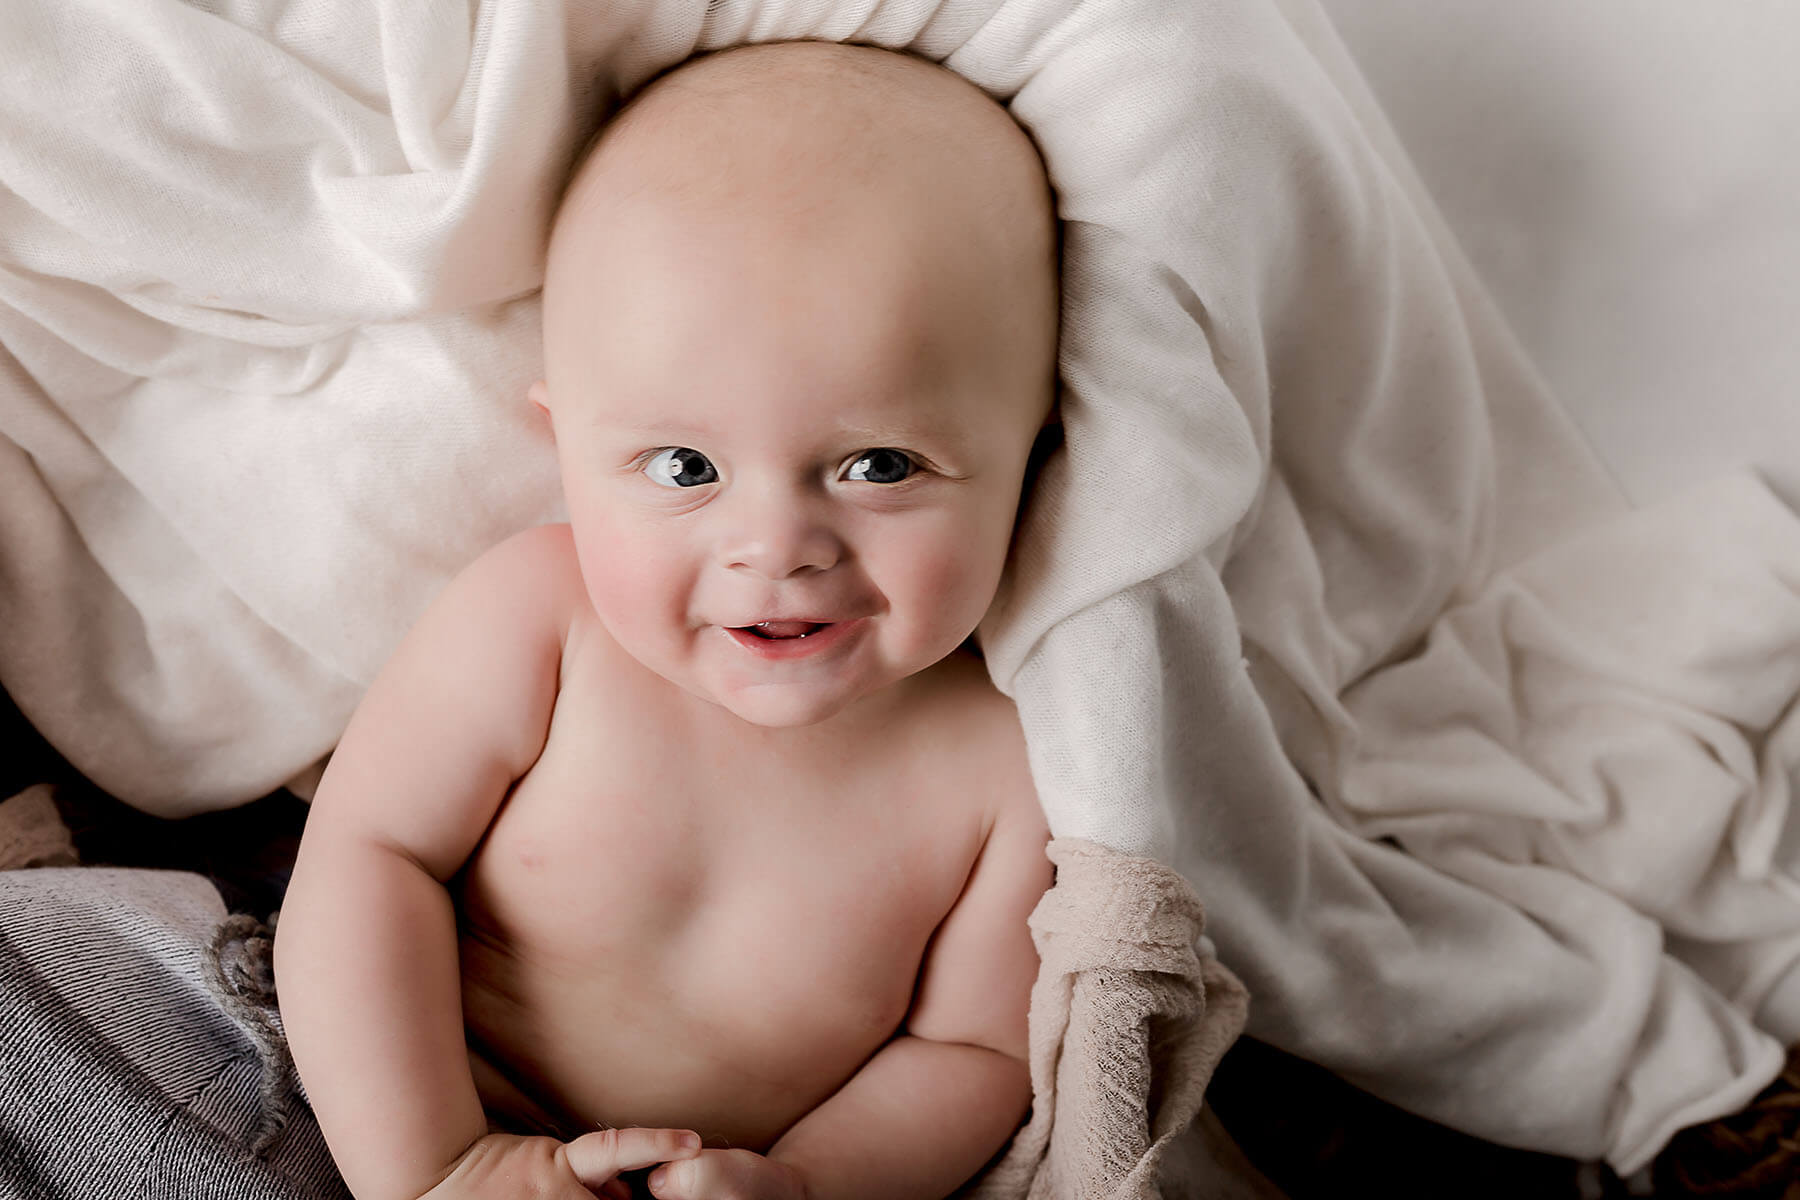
(785, 629)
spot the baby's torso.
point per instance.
(670, 923)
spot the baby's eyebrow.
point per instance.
(868, 438)
(663, 431)
(900, 431)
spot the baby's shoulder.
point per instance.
(510, 606)
(976, 739)
(531, 576)
(532, 557)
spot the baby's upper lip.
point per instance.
(784, 621)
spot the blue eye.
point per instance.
(679, 467)
(881, 465)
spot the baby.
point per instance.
(690, 823)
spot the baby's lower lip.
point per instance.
(824, 635)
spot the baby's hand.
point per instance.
(502, 1165)
(726, 1175)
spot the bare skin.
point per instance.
(690, 817)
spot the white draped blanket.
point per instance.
(1483, 778)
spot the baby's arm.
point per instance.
(366, 954)
(941, 1098)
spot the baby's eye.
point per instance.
(679, 467)
(881, 465)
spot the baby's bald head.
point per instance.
(803, 158)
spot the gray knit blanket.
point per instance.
(140, 1051)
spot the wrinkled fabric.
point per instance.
(130, 1063)
(1129, 1017)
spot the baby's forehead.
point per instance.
(860, 287)
(845, 357)
(890, 229)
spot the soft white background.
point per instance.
(1625, 175)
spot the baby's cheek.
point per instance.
(634, 578)
(953, 580)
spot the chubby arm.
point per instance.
(941, 1098)
(366, 953)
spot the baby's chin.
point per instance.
(797, 703)
(774, 706)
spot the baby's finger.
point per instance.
(597, 1157)
(718, 1173)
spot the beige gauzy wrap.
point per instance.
(1129, 1016)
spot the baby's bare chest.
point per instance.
(716, 909)
(602, 877)
(621, 839)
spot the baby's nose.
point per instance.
(781, 544)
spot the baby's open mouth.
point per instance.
(776, 631)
